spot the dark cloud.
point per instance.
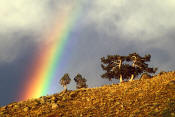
(13, 73)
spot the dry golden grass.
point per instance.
(152, 97)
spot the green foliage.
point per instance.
(133, 64)
(139, 62)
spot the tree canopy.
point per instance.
(126, 67)
(80, 81)
(65, 80)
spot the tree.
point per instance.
(65, 80)
(113, 65)
(126, 67)
(80, 81)
(139, 65)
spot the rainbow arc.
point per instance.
(47, 59)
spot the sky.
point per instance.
(103, 27)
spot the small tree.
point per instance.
(65, 80)
(80, 81)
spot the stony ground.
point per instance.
(146, 97)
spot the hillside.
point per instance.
(144, 97)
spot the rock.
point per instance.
(36, 103)
(156, 110)
(64, 98)
(10, 106)
(59, 98)
(122, 106)
(26, 109)
(42, 100)
(117, 103)
(49, 103)
(54, 106)
(136, 111)
(4, 107)
(117, 112)
(58, 102)
(72, 94)
(16, 106)
(53, 98)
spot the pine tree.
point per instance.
(65, 80)
(139, 65)
(113, 65)
(125, 67)
(80, 81)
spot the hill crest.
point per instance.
(143, 97)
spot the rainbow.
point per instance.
(48, 56)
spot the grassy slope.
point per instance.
(144, 97)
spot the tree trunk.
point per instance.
(134, 61)
(121, 78)
(65, 88)
(132, 76)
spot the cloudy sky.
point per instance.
(103, 27)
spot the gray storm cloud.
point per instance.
(26, 16)
(16, 19)
(134, 21)
(142, 20)
(146, 25)
(22, 14)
